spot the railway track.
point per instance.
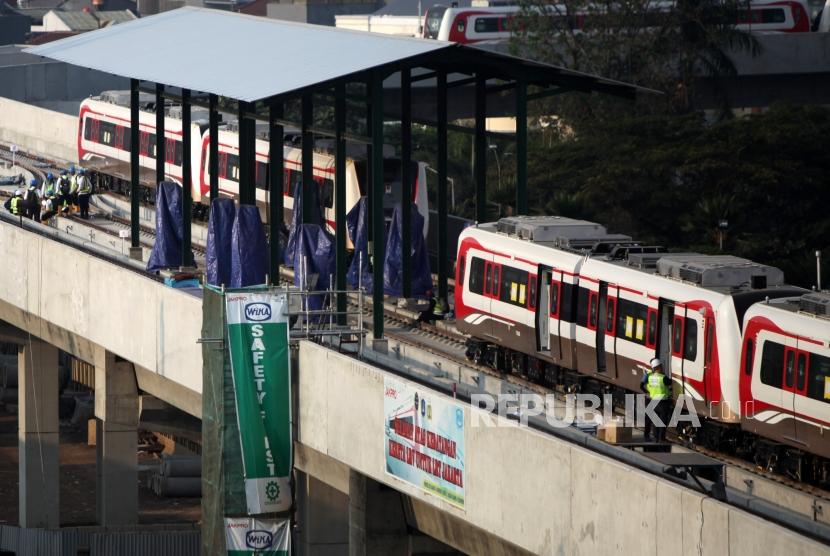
(440, 340)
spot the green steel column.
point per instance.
(247, 187)
(308, 158)
(406, 182)
(160, 144)
(378, 228)
(521, 145)
(135, 185)
(275, 186)
(340, 196)
(213, 155)
(480, 149)
(187, 199)
(441, 105)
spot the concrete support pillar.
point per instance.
(357, 513)
(116, 411)
(39, 458)
(322, 515)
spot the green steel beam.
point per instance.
(187, 201)
(213, 131)
(275, 188)
(406, 182)
(441, 105)
(308, 158)
(340, 198)
(135, 187)
(378, 235)
(521, 146)
(480, 150)
(161, 151)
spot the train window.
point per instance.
(610, 311)
(690, 343)
(592, 311)
(126, 139)
(531, 298)
(801, 371)
(107, 133)
(788, 369)
(488, 279)
(461, 262)
(487, 25)
(261, 175)
(567, 302)
(90, 123)
(326, 193)
(631, 322)
(554, 299)
(748, 358)
(177, 160)
(651, 334)
(772, 16)
(513, 288)
(151, 146)
(461, 24)
(772, 359)
(477, 275)
(295, 181)
(494, 285)
(710, 336)
(818, 388)
(677, 336)
(582, 306)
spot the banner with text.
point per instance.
(260, 365)
(424, 440)
(264, 537)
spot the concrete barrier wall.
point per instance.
(139, 319)
(38, 130)
(538, 492)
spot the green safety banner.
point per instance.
(266, 537)
(260, 365)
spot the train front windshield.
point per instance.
(433, 21)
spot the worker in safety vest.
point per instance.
(657, 386)
(84, 191)
(31, 200)
(15, 204)
(49, 187)
(73, 186)
(64, 188)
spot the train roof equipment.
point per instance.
(815, 303)
(720, 271)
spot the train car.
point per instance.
(483, 23)
(356, 176)
(785, 373)
(567, 293)
(104, 146)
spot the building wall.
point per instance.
(13, 29)
(319, 12)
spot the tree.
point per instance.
(661, 45)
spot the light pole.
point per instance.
(495, 149)
(723, 224)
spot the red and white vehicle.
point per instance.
(104, 146)
(494, 23)
(785, 371)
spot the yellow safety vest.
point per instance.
(14, 206)
(657, 389)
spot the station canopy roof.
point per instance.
(251, 58)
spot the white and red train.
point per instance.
(104, 146)
(751, 352)
(475, 24)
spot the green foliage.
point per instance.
(670, 179)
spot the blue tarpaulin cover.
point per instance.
(357, 225)
(393, 266)
(318, 248)
(297, 220)
(167, 250)
(218, 251)
(249, 250)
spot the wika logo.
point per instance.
(258, 540)
(257, 311)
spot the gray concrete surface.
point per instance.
(80, 303)
(38, 130)
(569, 500)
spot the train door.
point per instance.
(543, 289)
(589, 350)
(665, 317)
(788, 388)
(556, 314)
(802, 370)
(609, 308)
(596, 311)
(676, 364)
(492, 283)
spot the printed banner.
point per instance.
(260, 364)
(266, 537)
(424, 440)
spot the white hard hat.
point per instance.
(655, 363)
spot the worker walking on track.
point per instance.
(657, 386)
(50, 186)
(31, 200)
(73, 189)
(15, 204)
(64, 188)
(84, 191)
